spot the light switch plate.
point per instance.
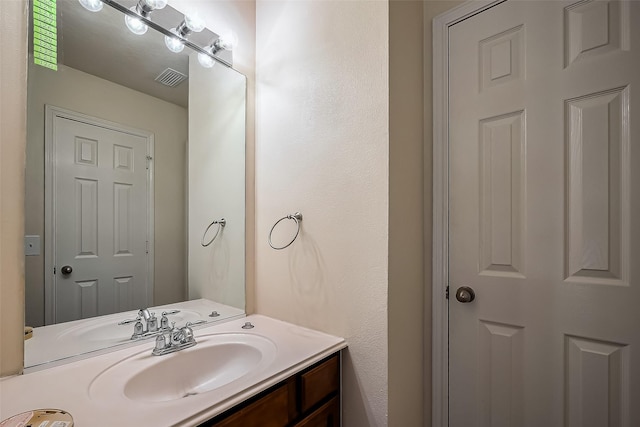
(31, 245)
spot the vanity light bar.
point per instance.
(167, 32)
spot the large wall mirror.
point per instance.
(133, 152)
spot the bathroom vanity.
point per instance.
(254, 368)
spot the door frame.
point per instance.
(440, 226)
(51, 113)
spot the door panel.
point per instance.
(598, 169)
(501, 195)
(544, 193)
(100, 220)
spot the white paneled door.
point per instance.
(544, 225)
(100, 219)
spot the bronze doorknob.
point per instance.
(465, 294)
(66, 270)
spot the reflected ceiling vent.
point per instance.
(171, 77)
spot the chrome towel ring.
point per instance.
(221, 223)
(297, 217)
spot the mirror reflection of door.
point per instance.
(100, 219)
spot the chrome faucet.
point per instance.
(144, 313)
(177, 339)
(150, 326)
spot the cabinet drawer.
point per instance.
(319, 382)
(271, 410)
(328, 415)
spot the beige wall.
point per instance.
(13, 83)
(80, 92)
(410, 208)
(406, 214)
(322, 70)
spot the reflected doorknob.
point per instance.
(465, 294)
(66, 270)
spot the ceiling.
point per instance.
(100, 44)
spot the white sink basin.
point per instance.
(217, 360)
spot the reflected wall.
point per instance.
(216, 183)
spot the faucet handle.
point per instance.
(166, 313)
(164, 321)
(197, 322)
(187, 335)
(126, 322)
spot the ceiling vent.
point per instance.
(171, 77)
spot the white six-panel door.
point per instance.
(544, 220)
(100, 219)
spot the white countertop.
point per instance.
(66, 387)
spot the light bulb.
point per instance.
(227, 41)
(194, 23)
(205, 60)
(92, 5)
(135, 25)
(174, 44)
(156, 4)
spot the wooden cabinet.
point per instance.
(319, 382)
(271, 410)
(310, 398)
(328, 415)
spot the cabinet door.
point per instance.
(328, 415)
(319, 383)
(270, 411)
